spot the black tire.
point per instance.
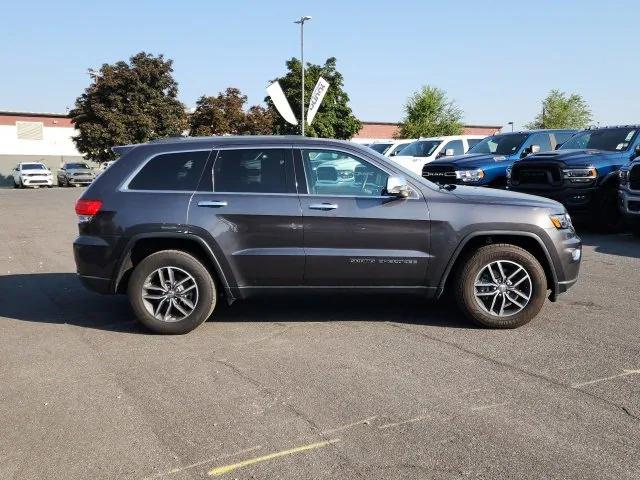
(207, 295)
(476, 262)
(15, 184)
(608, 217)
(635, 229)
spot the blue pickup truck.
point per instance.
(486, 163)
(629, 194)
(584, 174)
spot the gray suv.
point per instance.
(178, 224)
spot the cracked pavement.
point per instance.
(383, 386)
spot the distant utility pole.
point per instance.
(511, 123)
(301, 22)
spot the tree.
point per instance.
(128, 103)
(334, 118)
(428, 113)
(560, 110)
(225, 115)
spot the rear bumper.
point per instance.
(96, 259)
(96, 284)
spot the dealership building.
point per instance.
(35, 137)
(47, 138)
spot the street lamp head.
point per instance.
(303, 19)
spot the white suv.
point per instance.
(415, 155)
(32, 174)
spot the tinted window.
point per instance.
(506, 144)
(473, 142)
(399, 148)
(542, 140)
(421, 148)
(338, 173)
(171, 171)
(76, 165)
(562, 137)
(380, 147)
(250, 171)
(609, 139)
(33, 166)
(455, 145)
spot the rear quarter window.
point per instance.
(178, 171)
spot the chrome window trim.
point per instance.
(415, 195)
(124, 186)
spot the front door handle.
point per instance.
(323, 206)
(212, 203)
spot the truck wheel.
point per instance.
(171, 292)
(608, 218)
(500, 286)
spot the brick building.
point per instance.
(371, 131)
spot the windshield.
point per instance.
(76, 165)
(380, 147)
(609, 139)
(33, 166)
(421, 148)
(500, 144)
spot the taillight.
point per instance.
(87, 209)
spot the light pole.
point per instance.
(301, 22)
(511, 123)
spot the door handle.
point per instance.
(323, 206)
(212, 203)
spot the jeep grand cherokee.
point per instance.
(180, 223)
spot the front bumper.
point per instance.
(80, 180)
(566, 257)
(37, 181)
(629, 203)
(575, 199)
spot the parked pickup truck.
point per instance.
(629, 195)
(486, 163)
(583, 174)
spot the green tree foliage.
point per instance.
(128, 103)
(225, 115)
(428, 113)
(334, 118)
(561, 110)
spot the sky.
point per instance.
(496, 59)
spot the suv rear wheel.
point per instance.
(501, 286)
(171, 292)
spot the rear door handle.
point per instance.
(323, 206)
(212, 203)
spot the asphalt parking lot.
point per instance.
(382, 387)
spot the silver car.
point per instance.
(74, 174)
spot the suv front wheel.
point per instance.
(171, 292)
(501, 286)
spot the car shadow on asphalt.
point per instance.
(59, 298)
(623, 244)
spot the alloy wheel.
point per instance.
(503, 288)
(170, 294)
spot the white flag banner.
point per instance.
(280, 101)
(317, 95)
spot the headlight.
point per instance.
(469, 175)
(580, 175)
(624, 176)
(561, 222)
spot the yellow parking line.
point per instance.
(228, 468)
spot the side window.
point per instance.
(332, 172)
(251, 171)
(171, 171)
(541, 139)
(473, 142)
(456, 145)
(561, 137)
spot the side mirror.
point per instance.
(535, 148)
(558, 146)
(449, 152)
(397, 186)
